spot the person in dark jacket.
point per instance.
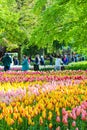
(15, 60)
(51, 60)
(6, 60)
(42, 60)
(37, 63)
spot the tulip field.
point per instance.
(38, 100)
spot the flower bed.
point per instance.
(43, 100)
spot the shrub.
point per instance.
(82, 65)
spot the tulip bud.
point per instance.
(73, 123)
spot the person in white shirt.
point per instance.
(58, 63)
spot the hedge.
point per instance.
(82, 65)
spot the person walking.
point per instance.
(25, 64)
(37, 62)
(15, 60)
(6, 60)
(42, 60)
(65, 60)
(51, 59)
(58, 63)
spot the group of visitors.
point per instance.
(7, 61)
(26, 62)
(58, 61)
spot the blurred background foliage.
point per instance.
(43, 24)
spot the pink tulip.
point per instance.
(74, 116)
(83, 116)
(70, 115)
(73, 123)
(78, 112)
(85, 104)
(63, 111)
(64, 120)
(58, 128)
(57, 119)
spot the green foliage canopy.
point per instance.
(64, 20)
(40, 22)
(16, 21)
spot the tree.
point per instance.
(16, 21)
(64, 20)
(40, 22)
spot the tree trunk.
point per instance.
(19, 55)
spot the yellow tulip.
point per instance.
(20, 120)
(1, 116)
(44, 114)
(41, 120)
(50, 126)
